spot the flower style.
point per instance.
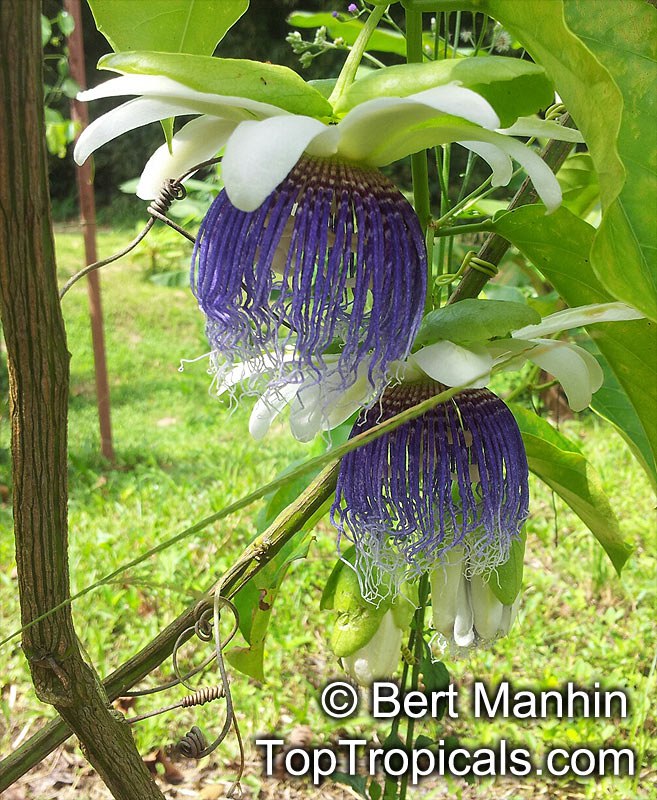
(465, 610)
(310, 248)
(455, 477)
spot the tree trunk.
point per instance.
(38, 387)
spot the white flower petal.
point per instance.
(510, 353)
(464, 634)
(575, 317)
(268, 407)
(325, 405)
(497, 160)
(486, 608)
(197, 141)
(575, 368)
(459, 102)
(385, 129)
(541, 175)
(122, 119)
(162, 88)
(445, 581)
(259, 155)
(455, 365)
(534, 126)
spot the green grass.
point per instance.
(181, 454)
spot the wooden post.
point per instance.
(38, 392)
(88, 222)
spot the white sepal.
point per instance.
(578, 316)
(454, 364)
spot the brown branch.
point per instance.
(255, 557)
(38, 363)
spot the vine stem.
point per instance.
(349, 68)
(419, 167)
(418, 626)
(293, 519)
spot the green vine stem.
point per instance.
(419, 166)
(418, 650)
(350, 67)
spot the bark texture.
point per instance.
(38, 376)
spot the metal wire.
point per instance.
(172, 190)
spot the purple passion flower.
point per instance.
(333, 258)
(455, 477)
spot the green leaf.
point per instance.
(624, 40)
(579, 184)
(475, 321)
(513, 87)
(46, 30)
(356, 782)
(612, 403)
(505, 581)
(603, 66)
(559, 246)
(171, 26)
(384, 41)
(255, 602)
(66, 23)
(558, 462)
(434, 675)
(233, 77)
(375, 790)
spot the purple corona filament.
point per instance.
(455, 476)
(334, 256)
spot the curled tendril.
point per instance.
(206, 627)
(172, 190)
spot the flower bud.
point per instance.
(466, 611)
(379, 657)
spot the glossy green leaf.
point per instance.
(612, 403)
(475, 321)
(559, 463)
(255, 603)
(170, 26)
(624, 40)
(579, 185)
(382, 40)
(604, 67)
(234, 77)
(513, 87)
(559, 246)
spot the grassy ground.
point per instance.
(181, 454)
